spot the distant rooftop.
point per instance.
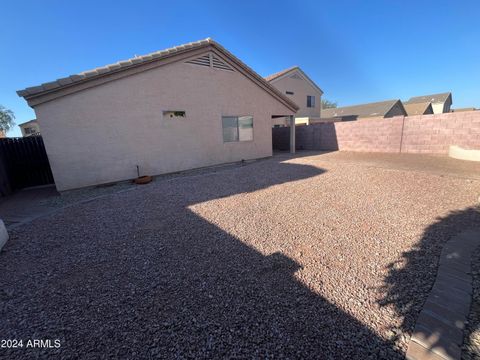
(280, 73)
(380, 108)
(28, 122)
(463, 109)
(292, 69)
(418, 108)
(433, 98)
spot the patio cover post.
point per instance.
(292, 134)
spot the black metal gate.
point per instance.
(23, 163)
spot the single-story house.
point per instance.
(441, 103)
(186, 107)
(384, 109)
(297, 86)
(418, 108)
(30, 128)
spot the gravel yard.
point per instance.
(315, 256)
(471, 346)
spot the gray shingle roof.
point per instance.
(102, 71)
(380, 108)
(418, 108)
(28, 122)
(433, 98)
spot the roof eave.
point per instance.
(291, 70)
(75, 80)
(292, 105)
(34, 98)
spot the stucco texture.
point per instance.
(300, 88)
(99, 135)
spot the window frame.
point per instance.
(312, 103)
(238, 129)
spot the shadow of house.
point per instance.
(413, 276)
(154, 279)
(320, 136)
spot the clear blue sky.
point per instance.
(356, 51)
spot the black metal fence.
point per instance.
(23, 163)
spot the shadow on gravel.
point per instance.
(140, 276)
(411, 278)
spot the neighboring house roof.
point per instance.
(284, 73)
(418, 108)
(463, 109)
(149, 61)
(28, 122)
(433, 98)
(380, 108)
(280, 73)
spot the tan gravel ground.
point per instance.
(318, 256)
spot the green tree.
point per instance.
(326, 104)
(6, 119)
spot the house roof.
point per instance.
(284, 73)
(280, 73)
(463, 109)
(380, 108)
(28, 122)
(433, 98)
(155, 57)
(418, 108)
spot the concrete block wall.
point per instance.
(435, 133)
(370, 135)
(415, 134)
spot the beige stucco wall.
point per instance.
(301, 88)
(439, 108)
(281, 121)
(302, 121)
(99, 135)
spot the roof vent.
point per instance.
(295, 76)
(220, 64)
(202, 60)
(212, 61)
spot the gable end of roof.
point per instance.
(52, 90)
(284, 73)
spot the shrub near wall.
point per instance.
(415, 134)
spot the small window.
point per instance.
(310, 101)
(237, 128)
(30, 130)
(174, 114)
(289, 92)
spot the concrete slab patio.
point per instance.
(319, 255)
(26, 204)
